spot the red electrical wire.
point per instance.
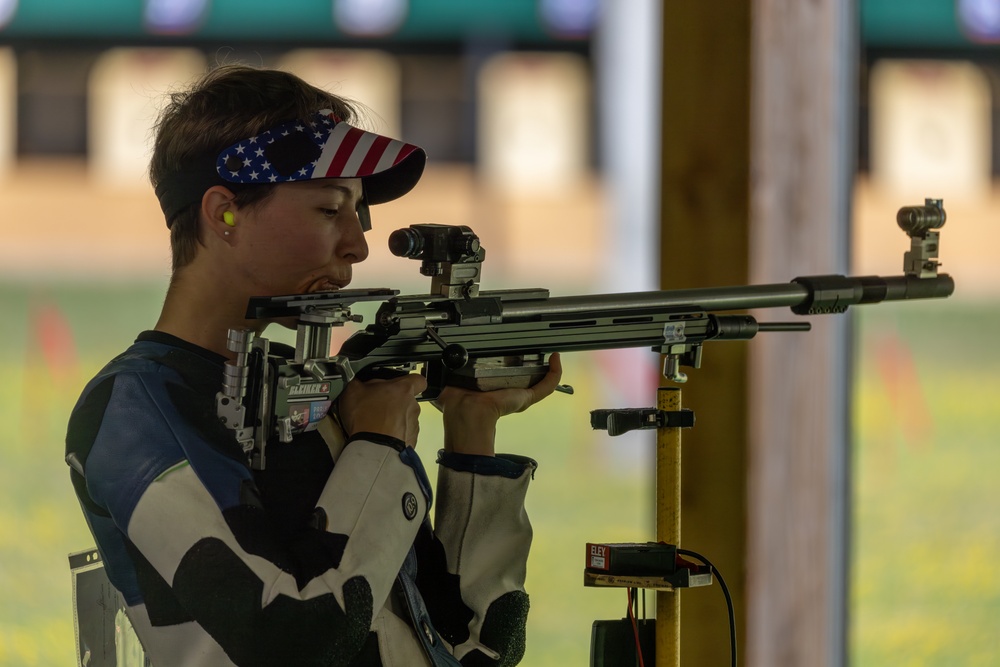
(635, 628)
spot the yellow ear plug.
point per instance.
(229, 218)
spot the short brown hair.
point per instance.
(229, 103)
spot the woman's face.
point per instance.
(305, 237)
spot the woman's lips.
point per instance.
(323, 285)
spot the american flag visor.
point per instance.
(317, 147)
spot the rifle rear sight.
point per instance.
(451, 256)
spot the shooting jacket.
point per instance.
(326, 557)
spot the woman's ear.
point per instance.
(218, 212)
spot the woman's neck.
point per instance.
(201, 311)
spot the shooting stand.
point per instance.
(668, 525)
(668, 418)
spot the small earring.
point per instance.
(226, 233)
(229, 218)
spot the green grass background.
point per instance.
(925, 576)
(926, 553)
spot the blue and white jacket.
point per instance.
(327, 557)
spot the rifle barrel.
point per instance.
(709, 298)
(836, 290)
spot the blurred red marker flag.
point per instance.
(52, 337)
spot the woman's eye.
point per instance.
(329, 212)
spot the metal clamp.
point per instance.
(623, 420)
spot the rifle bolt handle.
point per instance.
(455, 356)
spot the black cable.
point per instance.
(729, 600)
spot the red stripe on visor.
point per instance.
(343, 155)
(374, 154)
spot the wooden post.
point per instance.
(668, 526)
(758, 192)
(704, 243)
(802, 161)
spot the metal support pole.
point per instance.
(668, 526)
